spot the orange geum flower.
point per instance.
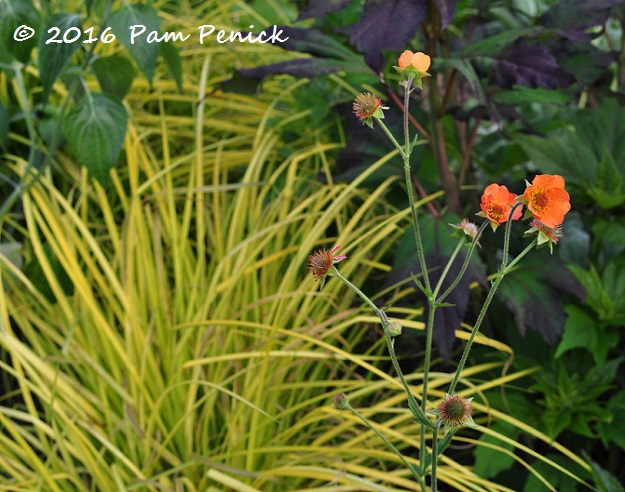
(547, 200)
(497, 203)
(419, 61)
(414, 66)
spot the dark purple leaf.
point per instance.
(387, 25)
(571, 18)
(589, 64)
(447, 9)
(528, 65)
(303, 67)
(534, 294)
(319, 8)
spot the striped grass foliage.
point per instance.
(181, 335)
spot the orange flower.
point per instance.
(420, 61)
(497, 203)
(547, 199)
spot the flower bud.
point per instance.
(340, 401)
(394, 328)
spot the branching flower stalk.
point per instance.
(546, 201)
(342, 403)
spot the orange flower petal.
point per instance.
(419, 61)
(547, 199)
(497, 203)
(405, 59)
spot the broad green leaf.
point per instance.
(171, 55)
(13, 15)
(520, 94)
(608, 190)
(608, 239)
(132, 25)
(489, 461)
(556, 421)
(606, 482)
(53, 57)
(558, 480)
(581, 330)
(115, 74)
(95, 130)
(588, 152)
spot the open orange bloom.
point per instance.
(497, 203)
(418, 60)
(547, 199)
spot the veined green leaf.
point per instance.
(132, 24)
(54, 56)
(115, 74)
(95, 130)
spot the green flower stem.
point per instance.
(412, 402)
(430, 327)
(405, 153)
(466, 263)
(448, 266)
(437, 427)
(413, 209)
(426, 376)
(503, 270)
(391, 137)
(389, 444)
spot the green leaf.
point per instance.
(605, 481)
(53, 57)
(95, 130)
(171, 55)
(144, 53)
(521, 95)
(581, 330)
(115, 74)
(556, 421)
(558, 480)
(607, 190)
(13, 14)
(587, 152)
(489, 459)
